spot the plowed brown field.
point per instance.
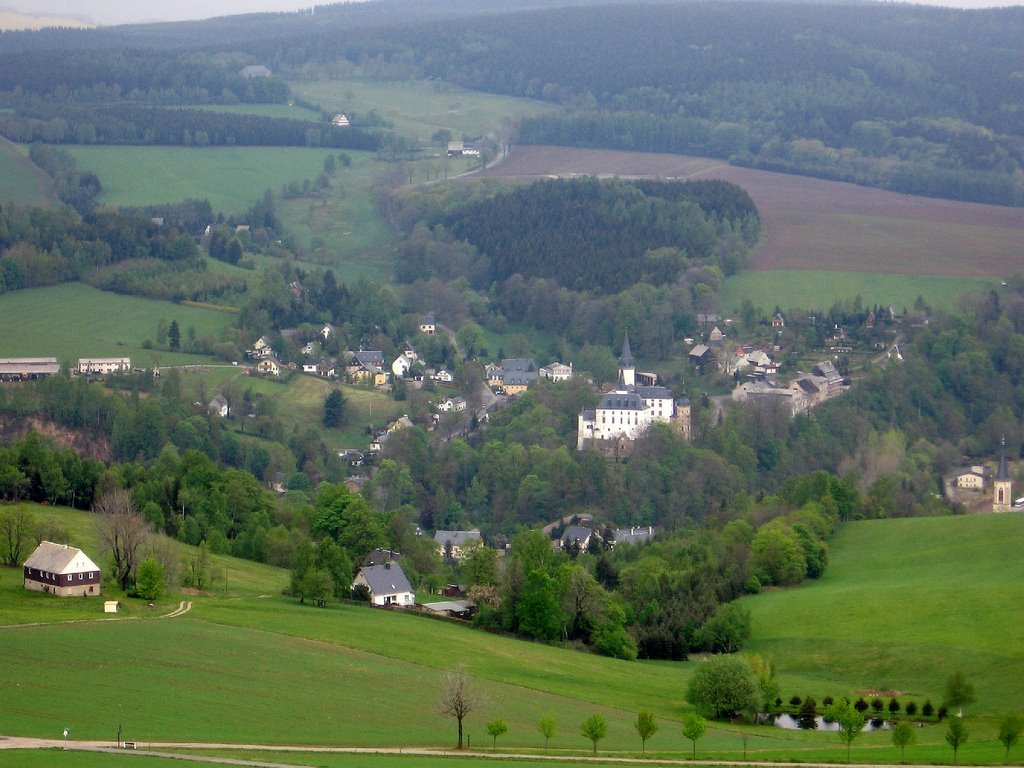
(820, 225)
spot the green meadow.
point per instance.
(74, 320)
(821, 289)
(903, 605)
(21, 180)
(231, 178)
(419, 108)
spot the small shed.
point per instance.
(111, 606)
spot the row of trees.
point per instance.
(180, 127)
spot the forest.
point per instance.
(910, 98)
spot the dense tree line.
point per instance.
(594, 235)
(175, 127)
(80, 75)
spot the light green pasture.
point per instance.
(820, 290)
(231, 178)
(21, 180)
(74, 320)
(903, 605)
(420, 108)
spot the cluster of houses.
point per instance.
(30, 368)
(800, 395)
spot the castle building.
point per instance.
(626, 412)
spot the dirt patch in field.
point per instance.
(815, 224)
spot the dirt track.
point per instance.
(815, 224)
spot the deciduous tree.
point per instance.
(546, 725)
(959, 691)
(724, 686)
(1010, 729)
(16, 527)
(694, 727)
(903, 736)
(594, 728)
(496, 728)
(956, 736)
(458, 697)
(646, 726)
(122, 531)
(851, 722)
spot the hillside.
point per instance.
(904, 604)
(890, 613)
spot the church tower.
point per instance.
(627, 365)
(1002, 496)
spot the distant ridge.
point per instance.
(12, 20)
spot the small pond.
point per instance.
(790, 724)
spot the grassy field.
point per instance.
(891, 613)
(21, 180)
(231, 178)
(419, 109)
(904, 604)
(73, 320)
(796, 287)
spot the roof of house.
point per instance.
(518, 364)
(457, 538)
(519, 378)
(635, 535)
(626, 360)
(621, 401)
(653, 393)
(576, 533)
(380, 556)
(699, 350)
(386, 579)
(59, 558)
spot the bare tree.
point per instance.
(458, 698)
(123, 531)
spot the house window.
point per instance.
(81, 576)
(91, 574)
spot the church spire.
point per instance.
(1002, 488)
(627, 365)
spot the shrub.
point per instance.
(911, 708)
(860, 705)
(941, 714)
(877, 705)
(928, 710)
(808, 714)
(795, 701)
(827, 701)
(894, 706)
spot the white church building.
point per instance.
(625, 413)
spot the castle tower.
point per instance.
(1002, 489)
(627, 365)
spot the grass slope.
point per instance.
(903, 605)
(418, 108)
(794, 288)
(74, 320)
(21, 180)
(231, 178)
